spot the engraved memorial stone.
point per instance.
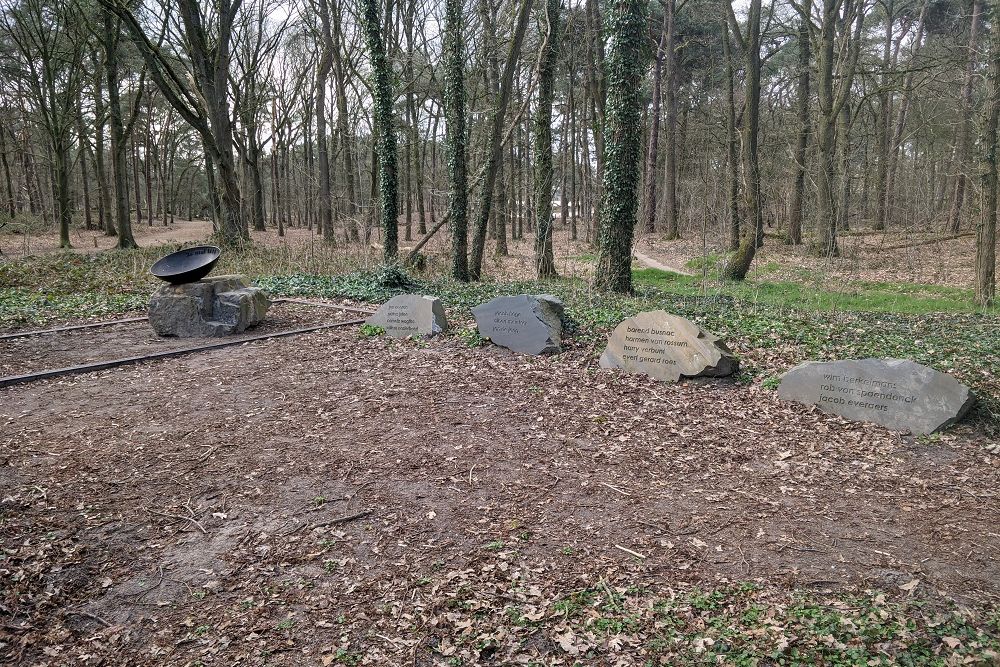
(899, 394)
(530, 324)
(410, 315)
(667, 347)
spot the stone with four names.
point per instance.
(410, 315)
(899, 394)
(527, 323)
(667, 347)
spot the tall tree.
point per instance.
(625, 27)
(51, 55)
(804, 124)
(986, 227)
(739, 264)
(454, 104)
(672, 224)
(547, 62)
(322, 144)
(649, 206)
(201, 94)
(495, 148)
(384, 131)
(835, 77)
(963, 136)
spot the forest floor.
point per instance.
(342, 499)
(337, 498)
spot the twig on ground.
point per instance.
(615, 488)
(87, 614)
(342, 519)
(179, 516)
(629, 551)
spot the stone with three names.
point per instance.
(216, 306)
(527, 323)
(899, 394)
(410, 315)
(667, 347)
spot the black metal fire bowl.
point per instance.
(187, 265)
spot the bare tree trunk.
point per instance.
(986, 228)
(322, 145)
(732, 140)
(505, 85)
(885, 113)
(963, 136)
(119, 145)
(739, 264)
(8, 181)
(799, 183)
(84, 159)
(346, 141)
(649, 206)
(548, 60)
(670, 158)
(454, 96)
(904, 105)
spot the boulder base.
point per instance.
(667, 347)
(897, 393)
(218, 306)
(527, 323)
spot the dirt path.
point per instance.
(651, 263)
(262, 504)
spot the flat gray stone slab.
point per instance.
(217, 306)
(899, 394)
(667, 347)
(530, 324)
(410, 315)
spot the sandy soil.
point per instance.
(268, 503)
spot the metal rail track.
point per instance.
(115, 363)
(167, 354)
(130, 320)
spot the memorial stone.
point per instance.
(530, 324)
(667, 347)
(410, 315)
(899, 394)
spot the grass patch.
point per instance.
(906, 298)
(744, 624)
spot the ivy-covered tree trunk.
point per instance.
(545, 266)
(385, 134)
(625, 67)
(454, 109)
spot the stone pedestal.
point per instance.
(218, 306)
